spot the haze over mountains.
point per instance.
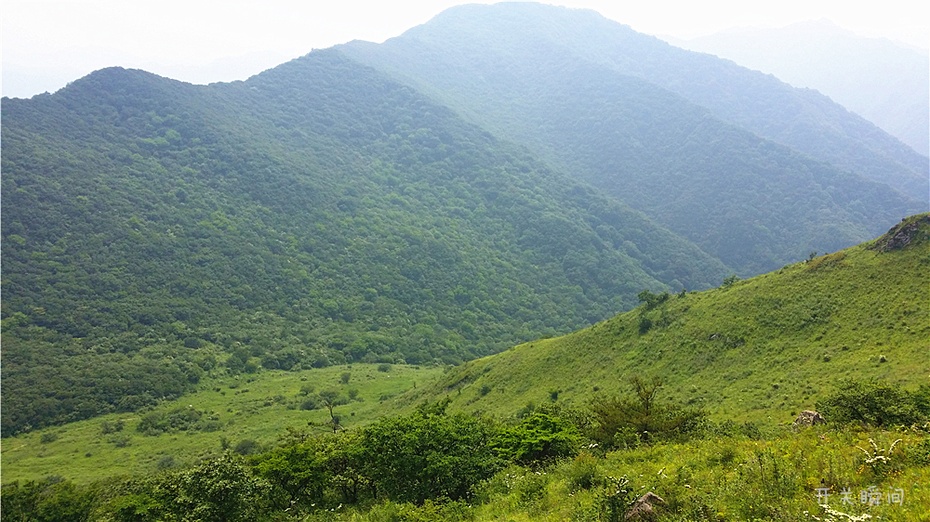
(499, 174)
(881, 80)
(629, 113)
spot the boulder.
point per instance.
(809, 418)
(643, 509)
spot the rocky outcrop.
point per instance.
(903, 234)
(644, 508)
(809, 418)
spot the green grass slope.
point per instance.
(760, 349)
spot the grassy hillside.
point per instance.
(760, 349)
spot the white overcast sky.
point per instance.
(47, 43)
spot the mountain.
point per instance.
(760, 349)
(155, 232)
(487, 179)
(753, 171)
(884, 82)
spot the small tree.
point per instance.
(730, 280)
(652, 300)
(331, 399)
(641, 417)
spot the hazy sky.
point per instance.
(47, 43)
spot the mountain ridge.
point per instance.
(274, 223)
(601, 124)
(881, 80)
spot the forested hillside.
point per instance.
(318, 213)
(686, 402)
(698, 144)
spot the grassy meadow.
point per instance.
(258, 407)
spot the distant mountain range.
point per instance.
(884, 82)
(720, 154)
(499, 174)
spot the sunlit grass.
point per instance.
(759, 350)
(259, 407)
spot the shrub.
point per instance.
(178, 419)
(429, 455)
(310, 403)
(652, 300)
(539, 438)
(531, 487)
(247, 447)
(107, 427)
(645, 324)
(582, 472)
(876, 403)
(730, 280)
(626, 421)
(165, 462)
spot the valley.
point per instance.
(520, 262)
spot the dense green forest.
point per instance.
(639, 119)
(470, 37)
(319, 213)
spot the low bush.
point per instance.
(876, 403)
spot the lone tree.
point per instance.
(641, 418)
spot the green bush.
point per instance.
(247, 447)
(178, 419)
(876, 403)
(540, 438)
(627, 421)
(582, 472)
(429, 455)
